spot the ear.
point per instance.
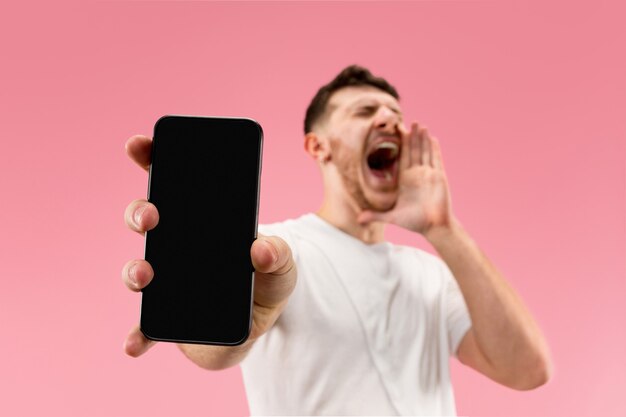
(317, 146)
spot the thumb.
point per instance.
(271, 255)
(275, 275)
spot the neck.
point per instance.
(343, 215)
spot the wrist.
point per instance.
(443, 232)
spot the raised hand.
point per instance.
(275, 277)
(424, 200)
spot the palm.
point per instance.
(423, 200)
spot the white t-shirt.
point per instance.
(369, 329)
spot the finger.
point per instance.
(275, 267)
(141, 216)
(437, 159)
(405, 158)
(402, 128)
(136, 344)
(415, 145)
(137, 274)
(139, 149)
(425, 147)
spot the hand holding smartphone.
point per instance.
(274, 276)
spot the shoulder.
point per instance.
(424, 266)
(271, 228)
(417, 255)
(283, 228)
(286, 230)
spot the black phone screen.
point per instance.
(204, 181)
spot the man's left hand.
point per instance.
(423, 202)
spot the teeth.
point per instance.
(389, 145)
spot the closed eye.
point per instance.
(365, 111)
(370, 110)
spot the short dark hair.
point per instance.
(353, 75)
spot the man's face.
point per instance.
(362, 128)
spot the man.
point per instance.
(369, 326)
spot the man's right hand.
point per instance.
(275, 278)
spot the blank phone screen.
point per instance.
(204, 181)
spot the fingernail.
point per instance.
(272, 250)
(138, 214)
(132, 275)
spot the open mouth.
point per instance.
(382, 159)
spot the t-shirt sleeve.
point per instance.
(457, 317)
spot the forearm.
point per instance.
(505, 331)
(216, 357)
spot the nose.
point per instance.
(386, 119)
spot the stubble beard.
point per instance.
(348, 168)
(354, 189)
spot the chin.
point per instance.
(381, 201)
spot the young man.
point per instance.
(369, 326)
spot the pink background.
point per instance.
(528, 100)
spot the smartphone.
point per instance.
(204, 181)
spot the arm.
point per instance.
(504, 343)
(275, 279)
